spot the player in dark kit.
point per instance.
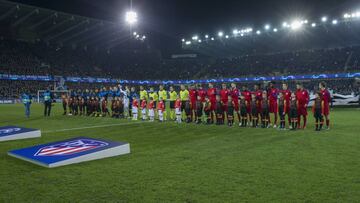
(254, 111)
(243, 111)
(70, 105)
(293, 112)
(219, 109)
(265, 114)
(64, 103)
(104, 108)
(75, 106)
(199, 109)
(230, 111)
(282, 110)
(207, 110)
(318, 111)
(188, 111)
(81, 105)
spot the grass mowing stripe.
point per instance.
(90, 127)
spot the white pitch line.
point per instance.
(90, 127)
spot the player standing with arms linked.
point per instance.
(211, 93)
(302, 96)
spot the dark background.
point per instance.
(167, 21)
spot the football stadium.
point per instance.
(179, 101)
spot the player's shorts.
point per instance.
(213, 105)
(193, 105)
(248, 109)
(178, 111)
(225, 107)
(183, 104)
(143, 111)
(318, 114)
(326, 109)
(151, 113)
(160, 112)
(134, 110)
(172, 104)
(236, 106)
(273, 108)
(302, 111)
(293, 113)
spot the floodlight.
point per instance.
(131, 17)
(220, 34)
(334, 22)
(258, 32)
(285, 24)
(324, 19)
(188, 42)
(296, 25)
(267, 27)
(235, 32)
(206, 36)
(313, 24)
(242, 35)
(346, 15)
(195, 37)
(199, 41)
(275, 29)
(183, 40)
(134, 33)
(143, 37)
(227, 36)
(212, 39)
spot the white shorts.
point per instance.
(160, 112)
(134, 110)
(143, 111)
(151, 113)
(177, 111)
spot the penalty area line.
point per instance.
(91, 127)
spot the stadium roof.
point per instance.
(30, 23)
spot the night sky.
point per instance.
(170, 20)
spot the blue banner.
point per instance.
(177, 82)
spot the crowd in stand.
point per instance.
(42, 59)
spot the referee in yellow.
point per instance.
(163, 94)
(184, 96)
(172, 98)
(143, 93)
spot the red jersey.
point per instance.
(161, 106)
(247, 95)
(235, 95)
(143, 104)
(325, 96)
(302, 97)
(224, 93)
(273, 95)
(151, 105)
(177, 103)
(287, 95)
(202, 94)
(211, 93)
(192, 95)
(135, 103)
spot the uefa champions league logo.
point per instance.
(9, 130)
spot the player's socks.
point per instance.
(245, 122)
(327, 123)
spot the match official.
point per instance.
(47, 102)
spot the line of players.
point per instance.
(251, 108)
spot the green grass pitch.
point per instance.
(187, 162)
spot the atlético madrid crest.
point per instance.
(69, 148)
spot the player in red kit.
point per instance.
(287, 96)
(193, 97)
(273, 101)
(325, 95)
(258, 95)
(247, 96)
(224, 93)
(303, 98)
(235, 93)
(202, 93)
(211, 93)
